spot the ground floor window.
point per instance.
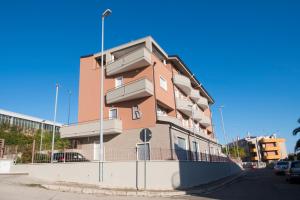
(195, 147)
(143, 151)
(180, 149)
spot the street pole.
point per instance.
(69, 106)
(223, 128)
(106, 13)
(194, 130)
(42, 132)
(54, 120)
(237, 147)
(145, 164)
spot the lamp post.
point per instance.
(223, 128)
(106, 13)
(42, 132)
(69, 105)
(54, 120)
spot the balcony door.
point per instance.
(113, 113)
(118, 81)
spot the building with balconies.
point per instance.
(262, 148)
(144, 87)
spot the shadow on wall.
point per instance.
(195, 173)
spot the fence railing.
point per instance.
(30, 154)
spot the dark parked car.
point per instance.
(69, 157)
(294, 172)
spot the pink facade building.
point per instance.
(144, 87)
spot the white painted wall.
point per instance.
(162, 175)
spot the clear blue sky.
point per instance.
(246, 53)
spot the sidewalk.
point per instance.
(94, 189)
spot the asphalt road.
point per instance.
(254, 185)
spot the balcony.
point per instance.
(91, 128)
(134, 90)
(271, 148)
(183, 83)
(205, 121)
(272, 140)
(184, 106)
(253, 150)
(203, 103)
(272, 157)
(198, 115)
(170, 119)
(133, 60)
(254, 158)
(195, 95)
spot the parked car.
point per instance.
(69, 157)
(294, 172)
(282, 167)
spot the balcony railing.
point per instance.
(205, 121)
(170, 119)
(133, 90)
(271, 157)
(202, 102)
(91, 128)
(271, 148)
(198, 115)
(195, 95)
(254, 158)
(183, 83)
(176, 121)
(185, 106)
(133, 60)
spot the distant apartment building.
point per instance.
(144, 87)
(262, 148)
(26, 122)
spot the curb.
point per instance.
(112, 192)
(76, 189)
(14, 173)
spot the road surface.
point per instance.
(254, 185)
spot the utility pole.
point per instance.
(69, 105)
(223, 128)
(54, 121)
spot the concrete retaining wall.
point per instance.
(161, 175)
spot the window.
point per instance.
(119, 81)
(143, 151)
(161, 111)
(113, 113)
(163, 83)
(136, 114)
(195, 147)
(180, 149)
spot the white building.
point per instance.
(26, 121)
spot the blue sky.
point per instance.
(246, 53)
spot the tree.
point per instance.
(235, 152)
(297, 130)
(297, 146)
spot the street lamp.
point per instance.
(223, 128)
(69, 105)
(106, 13)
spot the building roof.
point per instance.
(168, 57)
(27, 117)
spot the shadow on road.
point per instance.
(255, 184)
